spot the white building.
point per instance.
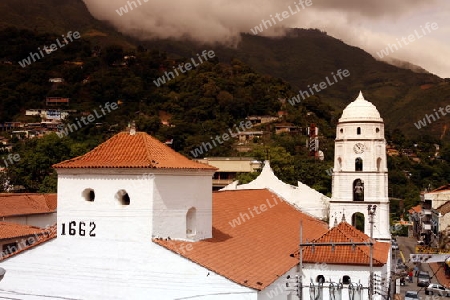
(360, 174)
(28, 209)
(302, 196)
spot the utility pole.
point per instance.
(300, 282)
(371, 211)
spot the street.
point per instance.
(407, 246)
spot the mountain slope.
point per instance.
(307, 57)
(302, 58)
(56, 16)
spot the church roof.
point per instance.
(252, 250)
(348, 255)
(125, 150)
(308, 200)
(12, 204)
(360, 110)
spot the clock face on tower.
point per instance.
(359, 148)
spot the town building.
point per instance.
(229, 167)
(31, 209)
(360, 174)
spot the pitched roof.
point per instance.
(41, 235)
(415, 209)
(12, 204)
(250, 248)
(444, 208)
(349, 255)
(140, 150)
(13, 230)
(443, 188)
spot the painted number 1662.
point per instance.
(78, 229)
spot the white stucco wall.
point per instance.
(91, 269)
(302, 196)
(358, 274)
(111, 219)
(278, 290)
(174, 195)
(438, 198)
(374, 175)
(38, 220)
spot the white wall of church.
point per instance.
(357, 274)
(174, 196)
(105, 217)
(278, 290)
(360, 157)
(110, 269)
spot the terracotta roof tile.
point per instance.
(13, 230)
(440, 189)
(41, 236)
(12, 204)
(415, 209)
(256, 252)
(444, 208)
(132, 151)
(349, 255)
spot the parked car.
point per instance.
(423, 279)
(438, 289)
(411, 295)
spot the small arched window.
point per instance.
(378, 164)
(346, 279)
(358, 190)
(88, 195)
(358, 130)
(190, 222)
(358, 164)
(123, 197)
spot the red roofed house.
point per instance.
(28, 209)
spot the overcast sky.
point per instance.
(369, 24)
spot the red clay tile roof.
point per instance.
(256, 252)
(444, 208)
(415, 209)
(12, 204)
(41, 236)
(132, 151)
(359, 255)
(13, 230)
(440, 189)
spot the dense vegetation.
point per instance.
(202, 103)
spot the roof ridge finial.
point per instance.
(343, 216)
(360, 96)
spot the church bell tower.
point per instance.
(360, 174)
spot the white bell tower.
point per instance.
(360, 174)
